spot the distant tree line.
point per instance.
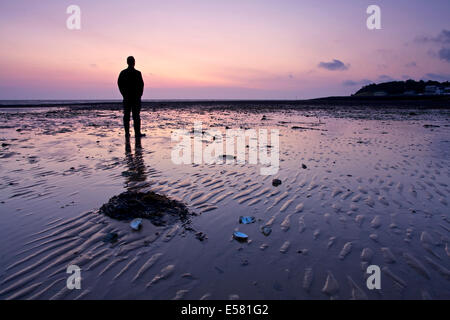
(399, 87)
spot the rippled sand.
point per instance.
(374, 189)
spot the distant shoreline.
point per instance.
(420, 102)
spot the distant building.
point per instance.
(432, 90)
(409, 93)
(437, 90)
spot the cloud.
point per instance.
(442, 77)
(441, 38)
(334, 65)
(353, 83)
(364, 82)
(411, 64)
(385, 78)
(437, 77)
(444, 54)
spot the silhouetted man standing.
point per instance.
(131, 87)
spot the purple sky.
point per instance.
(252, 49)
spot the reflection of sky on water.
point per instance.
(49, 173)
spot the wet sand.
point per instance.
(374, 189)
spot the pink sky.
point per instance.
(217, 49)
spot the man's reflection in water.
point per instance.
(135, 163)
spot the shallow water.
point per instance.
(374, 191)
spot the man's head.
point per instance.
(131, 62)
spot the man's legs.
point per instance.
(126, 117)
(137, 118)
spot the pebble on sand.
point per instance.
(240, 236)
(136, 224)
(276, 182)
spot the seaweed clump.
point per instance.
(159, 209)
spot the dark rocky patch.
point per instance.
(159, 209)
